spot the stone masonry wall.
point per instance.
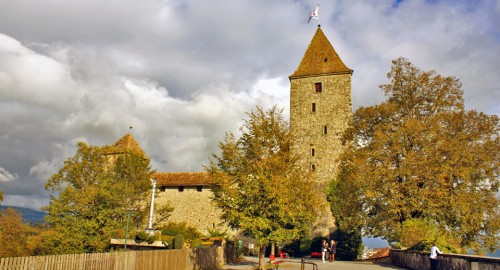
(333, 111)
(191, 206)
(418, 260)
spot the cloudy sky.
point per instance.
(184, 72)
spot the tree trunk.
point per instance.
(262, 259)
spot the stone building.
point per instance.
(187, 192)
(320, 111)
(320, 107)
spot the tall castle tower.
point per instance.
(320, 111)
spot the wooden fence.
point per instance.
(171, 259)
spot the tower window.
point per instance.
(180, 189)
(325, 129)
(198, 189)
(313, 167)
(313, 107)
(318, 87)
(312, 152)
(326, 59)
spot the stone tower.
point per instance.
(320, 111)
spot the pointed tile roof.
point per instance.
(320, 58)
(127, 144)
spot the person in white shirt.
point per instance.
(433, 257)
(324, 248)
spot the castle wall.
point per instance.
(191, 206)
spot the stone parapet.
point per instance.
(420, 260)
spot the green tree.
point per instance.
(349, 245)
(421, 155)
(258, 185)
(90, 196)
(343, 197)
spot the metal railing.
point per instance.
(304, 262)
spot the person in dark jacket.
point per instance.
(332, 249)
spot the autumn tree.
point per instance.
(90, 196)
(258, 185)
(14, 234)
(419, 155)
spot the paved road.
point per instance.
(251, 263)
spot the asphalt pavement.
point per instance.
(252, 263)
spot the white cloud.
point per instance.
(35, 203)
(183, 73)
(44, 169)
(32, 78)
(6, 176)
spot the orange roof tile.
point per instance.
(125, 144)
(320, 58)
(176, 179)
(378, 253)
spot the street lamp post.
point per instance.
(150, 229)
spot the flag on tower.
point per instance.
(314, 14)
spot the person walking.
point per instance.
(332, 249)
(433, 256)
(324, 249)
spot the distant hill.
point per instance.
(29, 215)
(496, 254)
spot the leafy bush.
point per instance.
(142, 236)
(173, 229)
(419, 234)
(305, 246)
(349, 245)
(118, 234)
(217, 233)
(416, 230)
(178, 241)
(425, 245)
(196, 243)
(293, 248)
(167, 240)
(316, 244)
